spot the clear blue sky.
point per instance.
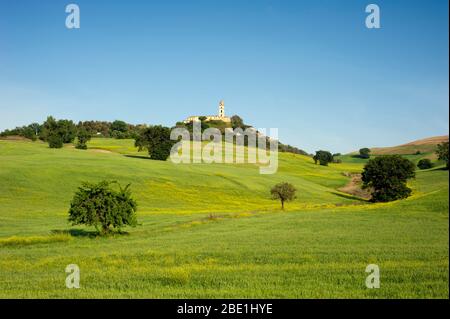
(310, 68)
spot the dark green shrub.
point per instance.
(83, 136)
(387, 177)
(323, 157)
(424, 163)
(364, 152)
(55, 141)
(103, 207)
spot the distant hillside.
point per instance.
(426, 145)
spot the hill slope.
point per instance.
(211, 231)
(426, 145)
(414, 151)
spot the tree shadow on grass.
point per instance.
(359, 156)
(138, 156)
(353, 197)
(439, 168)
(76, 232)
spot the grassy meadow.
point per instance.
(212, 231)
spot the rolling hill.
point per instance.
(212, 231)
(414, 151)
(426, 145)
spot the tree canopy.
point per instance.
(156, 140)
(442, 153)
(103, 207)
(323, 157)
(285, 192)
(387, 177)
(364, 152)
(83, 136)
(58, 132)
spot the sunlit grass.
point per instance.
(212, 231)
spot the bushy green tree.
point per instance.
(53, 131)
(285, 192)
(156, 140)
(103, 207)
(364, 152)
(68, 130)
(83, 136)
(442, 153)
(120, 130)
(323, 157)
(387, 177)
(424, 163)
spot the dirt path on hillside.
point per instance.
(99, 150)
(354, 187)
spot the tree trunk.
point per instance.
(105, 229)
(282, 204)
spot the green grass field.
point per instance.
(415, 158)
(211, 230)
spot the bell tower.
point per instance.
(221, 109)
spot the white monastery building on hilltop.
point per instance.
(219, 117)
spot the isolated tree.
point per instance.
(237, 121)
(83, 136)
(387, 177)
(424, 163)
(442, 153)
(364, 152)
(103, 207)
(323, 157)
(156, 140)
(285, 192)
